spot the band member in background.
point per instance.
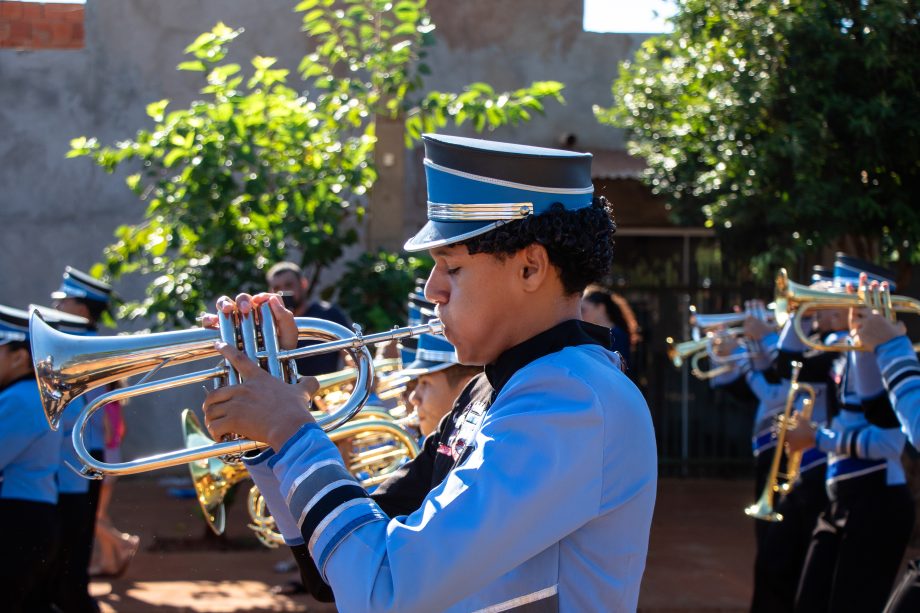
(29, 457)
(554, 465)
(861, 536)
(439, 380)
(781, 556)
(289, 278)
(82, 295)
(900, 371)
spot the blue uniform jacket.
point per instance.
(29, 449)
(901, 375)
(857, 447)
(550, 501)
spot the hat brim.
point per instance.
(422, 367)
(442, 233)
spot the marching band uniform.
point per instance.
(538, 508)
(900, 372)
(781, 556)
(860, 537)
(29, 457)
(79, 497)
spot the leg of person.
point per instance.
(782, 555)
(78, 523)
(874, 541)
(906, 595)
(813, 594)
(27, 544)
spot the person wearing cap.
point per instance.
(900, 370)
(556, 463)
(82, 295)
(288, 277)
(29, 457)
(783, 546)
(861, 535)
(439, 380)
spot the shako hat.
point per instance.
(476, 185)
(78, 284)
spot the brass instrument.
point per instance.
(764, 508)
(694, 351)
(212, 478)
(800, 299)
(69, 365)
(379, 447)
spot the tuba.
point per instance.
(67, 366)
(378, 447)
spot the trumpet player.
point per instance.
(781, 556)
(900, 371)
(555, 462)
(861, 535)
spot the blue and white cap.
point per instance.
(78, 284)
(59, 320)
(476, 185)
(848, 268)
(14, 325)
(434, 353)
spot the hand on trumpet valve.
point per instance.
(261, 408)
(755, 328)
(723, 345)
(246, 303)
(800, 435)
(873, 325)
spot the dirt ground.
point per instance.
(700, 556)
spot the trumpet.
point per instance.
(69, 365)
(764, 508)
(798, 298)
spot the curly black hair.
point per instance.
(579, 243)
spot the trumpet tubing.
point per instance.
(765, 508)
(68, 365)
(800, 299)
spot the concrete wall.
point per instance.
(55, 211)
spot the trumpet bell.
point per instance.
(68, 365)
(763, 509)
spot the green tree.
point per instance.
(375, 287)
(786, 126)
(258, 170)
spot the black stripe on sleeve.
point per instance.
(327, 504)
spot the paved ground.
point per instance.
(700, 557)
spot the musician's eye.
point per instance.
(453, 271)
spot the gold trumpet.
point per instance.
(379, 447)
(798, 298)
(69, 365)
(764, 508)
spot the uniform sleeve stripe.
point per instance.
(901, 376)
(304, 510)
(326, 505)
(319, 467)
(306, 488)
(367, 503)
(897, 364)
(344, 532)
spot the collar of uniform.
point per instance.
(567, 334)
